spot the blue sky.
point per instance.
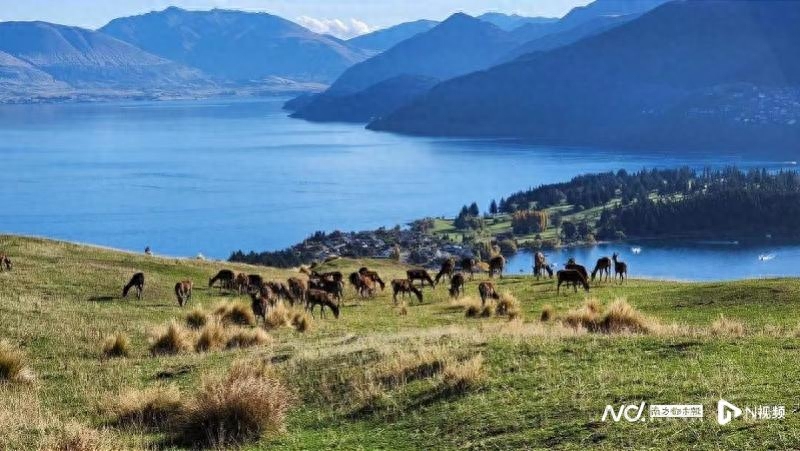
(339, 16)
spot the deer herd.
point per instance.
(326, 289)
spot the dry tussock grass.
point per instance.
(116, 345)
(278, 316)
(235, 313)
(14, 365)
(726, 327)
(507, 305)
(246, 338)
(197, 318)
(548, 313)
(465, 375)
(301, 321)
(170, 340)
(151, 407)
(74, 436)
(238, 408)
(620, 317)
(212, 337)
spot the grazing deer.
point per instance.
(372, 275)
(297, 290)
(322, 299)
(225, 277)
(572, 276)
(183, 291)
(620, 268)
(260, 306)
(468, 265)
(603, 266)
(457, 285)
(447, 268)
(497, 264)
(404, 287)
(334, 276)
(420, 274)
(486, 290)
(364, 285)
(240, 283)
(280, 290)
(333, 287)
(137, 281)
(576, 267)
(254, 282)
(5, 262)
(540, 265)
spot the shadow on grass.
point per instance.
(102, 298)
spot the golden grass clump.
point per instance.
(151, 407)
(548, 313)
(116, 345)
(487, 310)
(506, 304)
(620, 317)
(236, 313)
(75, 436)
(13, 364)
(247, 404)
(278, 316)
(401, 367)
(301, 321)
(466, 375)
(246, 338)
(212, 337)
(724, 327)
(402, 310)
(472, 307)
(170, 340)
(197, 318)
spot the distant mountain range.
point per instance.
(381, 40)
(689, 73)
(238, 46)
(459, 45)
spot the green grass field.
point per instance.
(380, 379)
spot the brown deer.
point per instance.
(225, 277)
(447, 268)
(603, 266)
(297, 289)
(420, 274)
(486, 290)
(183, 291)
(137, 281)
(457, 285)
(364, 284)
(240, 283)
(404, 287)
(373, 275)
(333, 287)
(260, 305)
(576, 267)
(497, 264)
(620, 268)
(322, 299)
(254, 282)
(280, 290)
(468, 265)
(5, 263)
(572, 276)
(540, 265)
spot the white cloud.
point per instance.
(341, 28)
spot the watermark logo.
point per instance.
(727, 412)
(630, 412)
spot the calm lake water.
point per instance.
(219, 175)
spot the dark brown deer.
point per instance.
(446, 270)
(497, 264)
(183, 291)
(5, 263)
(254, 282)
(404, 287)
(468, 265)
(457, 285)
(420, 274)
(486, 290)
(297, 289)
(260, 305)
(280, 290)
(364, 284)
(334, 276)
(225, 277)
(328, 285)
(322, 299)
(572, 276)
(137, 281)
(603, 266)
(576, 267)
(240, 283)
(620, 268)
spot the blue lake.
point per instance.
(215, 176)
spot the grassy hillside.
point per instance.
(420, 377)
